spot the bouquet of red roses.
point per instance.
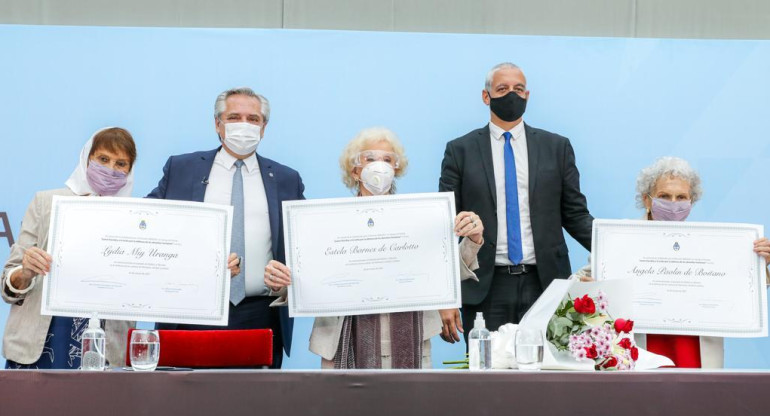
(584, 327)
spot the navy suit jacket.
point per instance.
(185, 178)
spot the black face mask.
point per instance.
(509, 107)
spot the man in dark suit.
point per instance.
(524, 185)
(255, 186)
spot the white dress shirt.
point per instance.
(519, 144)
(256, 221)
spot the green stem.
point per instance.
(456, 362)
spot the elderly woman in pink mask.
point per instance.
(32, 340)
(667, 190)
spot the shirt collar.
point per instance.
(497, 132)
(228, 161)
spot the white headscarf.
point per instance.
(78, 181)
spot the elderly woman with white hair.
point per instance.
(369, 164)
(667, 191)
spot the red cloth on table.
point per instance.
(683, 350)
(213, 349)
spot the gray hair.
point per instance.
(491, 73)
(667, 166)
(219, 104)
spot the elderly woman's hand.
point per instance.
(468, 224)
(451, 324)
(277, 275)
(35, 262)
(234, 264)
(762, 247)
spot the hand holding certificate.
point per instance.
(139, 259)
(689, 278)
(352, 256)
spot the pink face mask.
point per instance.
(665, 210)
(103, 180)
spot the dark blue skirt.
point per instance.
(62, 348)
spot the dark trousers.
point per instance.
(509, 298)
(253, 312)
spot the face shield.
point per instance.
(369, 156)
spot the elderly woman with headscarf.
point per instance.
(32, 340)
(369, 164)
(667, 191)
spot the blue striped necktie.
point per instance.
(237, 241)
(512, 203)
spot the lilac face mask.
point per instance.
(103, 180)
(664, 210)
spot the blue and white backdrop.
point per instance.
(622, 102)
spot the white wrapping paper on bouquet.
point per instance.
(503, 352)
(619, 294)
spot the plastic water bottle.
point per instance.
(93, 343)
(479, 345)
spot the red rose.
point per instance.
(625, 343)
(585, 305)
(591, 352)
(634, 353)
(610, 362)
(622, 325)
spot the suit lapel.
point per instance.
(533, 153)
(201, 181)
(271, 193)
(485, 147)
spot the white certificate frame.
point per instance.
(345, 284)
(691, 278)
(138, 259)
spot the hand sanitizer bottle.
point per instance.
(93, 347)
(479, 346)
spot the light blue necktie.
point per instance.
(512, 203)
(237, 241)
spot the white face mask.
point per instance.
(242, 138)
(377, 177)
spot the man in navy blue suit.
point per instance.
(234, 174)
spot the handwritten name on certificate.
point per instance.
(378, 254)
(689, 278)
(139, 259)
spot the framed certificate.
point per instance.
(689, 278)
(378, 254)
(139, 259)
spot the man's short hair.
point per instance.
(219, 104)
(491, 73)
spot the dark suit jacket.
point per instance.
(555, 201)
(185, 178)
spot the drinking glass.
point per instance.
(145, 349)
(528, 343)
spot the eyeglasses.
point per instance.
(368, 156)
(669, 197)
